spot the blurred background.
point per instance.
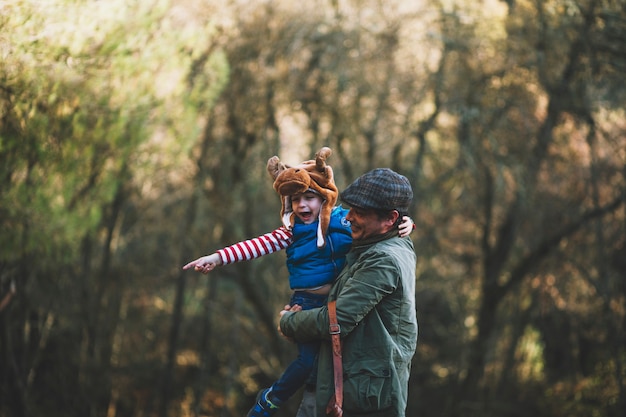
(134, 137)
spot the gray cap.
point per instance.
(379, 189)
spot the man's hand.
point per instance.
(288, 309)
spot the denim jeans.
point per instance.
(299, 371)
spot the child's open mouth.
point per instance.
(306, 216)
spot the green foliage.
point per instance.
(81, 90)
(85, 88)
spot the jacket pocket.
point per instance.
(367, 387)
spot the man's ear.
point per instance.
(393, 217)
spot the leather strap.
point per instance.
(334, 407)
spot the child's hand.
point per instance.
(205, 263)
(406, 227)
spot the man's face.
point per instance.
(366, 223)
(306, 206)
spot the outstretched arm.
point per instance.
(265, 244)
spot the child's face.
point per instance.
(306, 206)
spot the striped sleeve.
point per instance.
(253, 248)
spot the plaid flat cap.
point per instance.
(379, 189)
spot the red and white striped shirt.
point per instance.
(256, 247)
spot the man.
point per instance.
(375, 301)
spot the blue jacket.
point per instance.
(310, 266)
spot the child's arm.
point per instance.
(265, 244)
(406, 227)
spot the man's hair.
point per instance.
(386, 214)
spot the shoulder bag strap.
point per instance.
(335, 404)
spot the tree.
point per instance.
(75, 134)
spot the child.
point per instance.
(317, 237)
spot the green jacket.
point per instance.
(375, 296)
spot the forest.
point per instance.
(134, 137)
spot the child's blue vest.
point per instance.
(310, 266)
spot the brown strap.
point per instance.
(334, 407)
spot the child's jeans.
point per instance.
(298, 372)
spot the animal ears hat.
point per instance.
(312, 175)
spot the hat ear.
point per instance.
(275, 167)
(320, 158)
